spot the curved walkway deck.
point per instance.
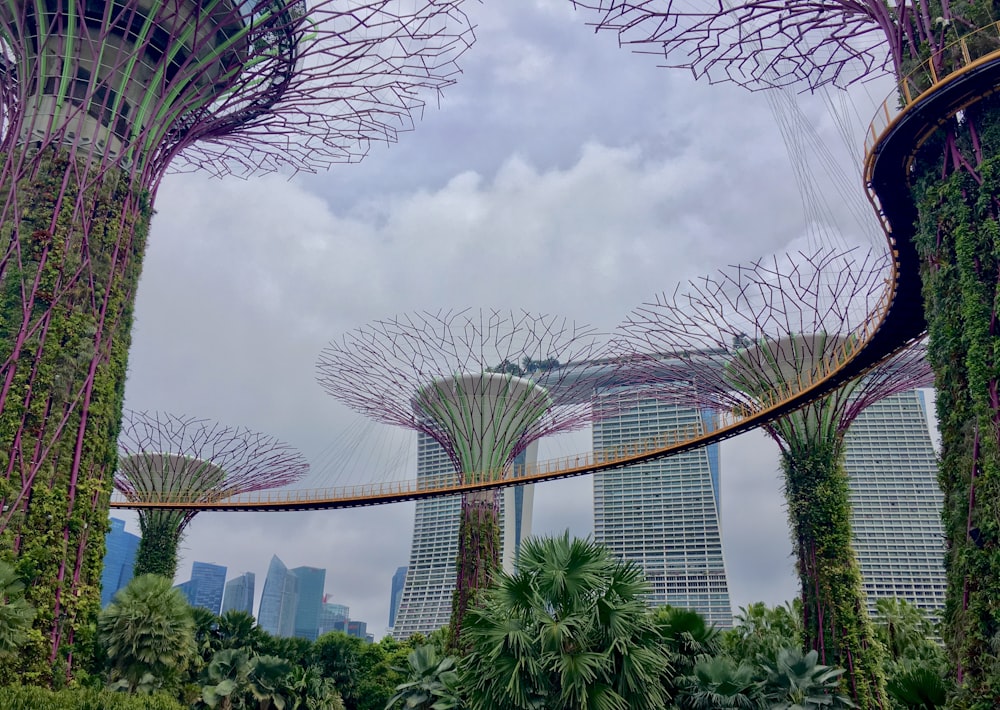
(890, 151)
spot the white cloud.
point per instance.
(561, 175)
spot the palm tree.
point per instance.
(916, 687)
(760, 630)
(226, 678)
(719, 683)
(238, 629)
(207, 639)
(432, 682)
(267, 678)
(904, 630)
(569, 630)
(16, 614)
(686, 637)
(797, 681)
(148, 632)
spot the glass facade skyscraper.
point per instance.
(278, 600)
(119, 560)
(896, 516)
(333, 617)
(396, 595)
(425, 605)
(238, 595)
(205, 587)
(310, 583)
(664, 514)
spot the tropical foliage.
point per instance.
(16, 614)
(68, 248)
(34, 698)
(916, 666)
(432, 682)
(569, 630)
(956, 187)
(148, 631)
(797, 681)
(720, 683)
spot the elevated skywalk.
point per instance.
(898, 131)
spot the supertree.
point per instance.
(188, 460)
(747, 338)
(484, 385)
(954, 185)
(97, 101)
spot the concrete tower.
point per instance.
(664, 514)
(425, 602)
(896, 503)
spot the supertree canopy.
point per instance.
(97, 101)
(484, 385)
(187, 460)
(954, 183)
(751, 336)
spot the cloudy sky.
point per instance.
(560, 175)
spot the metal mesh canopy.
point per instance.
(238, 88)
(165, 456)
(155, 474)
(751, 335)
(484, 414)
(759, 43)
(468, 377)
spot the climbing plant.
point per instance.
(956, 185)
(478, 558)
(161, 535)
(70, 265)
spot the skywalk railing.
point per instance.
(731, 421)
(959, 56)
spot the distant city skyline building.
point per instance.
(396, 595)
(119, 560)
(206, 586)
(358, 629)
(276, 614)
(896, 503)
(426, 600)
(239, 594)
(310, 583)
(664, 514)
(332, 617)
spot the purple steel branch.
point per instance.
(378, 369)
(684, 344)
(249, 461)
(760, 44)
(304, 86)
(97, 101)
(338, 79)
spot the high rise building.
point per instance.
(118, 561)
(238, 595)
(332, 617)
(664, 514)
(896, 502)
(309, 602)
(358, 629)
(278, 601)
(205, 587)
(425, 603)
(396, 596)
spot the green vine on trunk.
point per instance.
(161, 536)
(80, 237)
(957, 191)
(836, 622)
(478, 558)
